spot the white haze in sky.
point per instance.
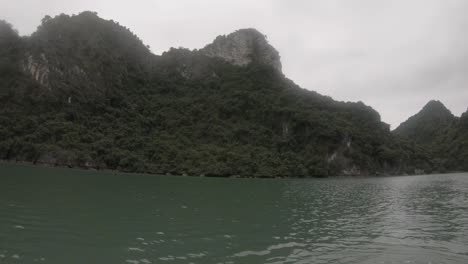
(394, 55)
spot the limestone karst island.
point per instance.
(86, 92)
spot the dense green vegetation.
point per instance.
(433, 120)
(86, 92)
(443, 135)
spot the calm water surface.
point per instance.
(72, 216)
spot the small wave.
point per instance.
(268, 250)
(196, 255)
(250, 253)
(166, 258)
(136, 249)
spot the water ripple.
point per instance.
(53, 216)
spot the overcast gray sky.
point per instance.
(394, 55)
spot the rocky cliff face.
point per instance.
(83, 51)
(37, 68)
(244, 47)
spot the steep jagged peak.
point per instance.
(84, 50)
(88, 28)
(433, 111)
(436, 109)
(243, 47)
(427, 124)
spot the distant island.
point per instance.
(86, 92)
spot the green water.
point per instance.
(71, 216)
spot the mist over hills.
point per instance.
(86, 92)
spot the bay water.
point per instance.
(53, 215)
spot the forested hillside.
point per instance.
(86, 92)
(443, 135)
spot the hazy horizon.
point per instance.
(394, 56)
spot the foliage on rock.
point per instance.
(86, 92)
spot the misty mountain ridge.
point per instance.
(86, 92)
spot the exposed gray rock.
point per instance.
(38, 69)
(244, 47)
(46, 72)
